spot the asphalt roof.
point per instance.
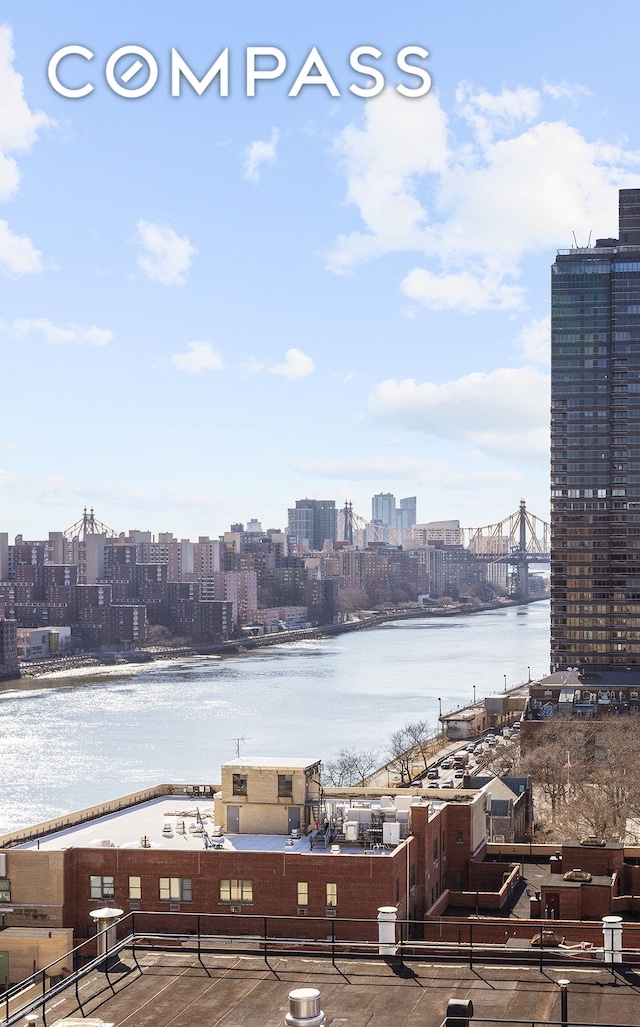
(220, 990)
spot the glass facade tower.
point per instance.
(595, 450)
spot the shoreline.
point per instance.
(37, 669)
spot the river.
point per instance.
(69, 741)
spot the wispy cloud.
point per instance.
(504, 413)
(258, 153)
(165, 256)
(199, 357)
(68, 335)
(534, 340)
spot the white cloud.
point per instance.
(19, 127)
(534, 340)
(69, 335)
(251, 365)
(262, 151)
(198, 357)
(491, 113)
(166, 256)
(18, 255)
(465, 291)
(473, 208)
(400, 140)
(296, 365)
(565, 90)
(504, 413)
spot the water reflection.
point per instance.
(77, 739)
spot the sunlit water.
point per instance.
(72, 740)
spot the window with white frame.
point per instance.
(303, 893)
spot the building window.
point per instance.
(459, 837)
(303, 893)
(285, 786)
(135, 889)
(239, 784)
(332, 895)
(175, 889)
(236, 891)
(102, 887)
(5, 889)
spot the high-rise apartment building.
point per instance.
(595, 450)
(313, 520)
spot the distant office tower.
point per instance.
(313, 520)
(400, 519)
(407, 515)
(595, 449)
(383, 509)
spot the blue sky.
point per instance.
(210, 307)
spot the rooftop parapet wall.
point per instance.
(47, 827)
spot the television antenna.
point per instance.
(243, 738)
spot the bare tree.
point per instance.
(350, 767)
(545, 765)
(504, 759)
(399, 751)
(421, 737)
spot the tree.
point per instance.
(421, 737)
(399, 752)
(350, 768)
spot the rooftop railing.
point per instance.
(273, 937)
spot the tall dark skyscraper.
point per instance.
(314, 520)
(595, 450)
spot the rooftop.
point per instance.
(172, 823)
(274, 762)
(166, 988)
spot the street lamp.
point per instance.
(474, 695)
(505, 681)
(529, 672)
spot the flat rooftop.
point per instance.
(172, 822)
(273, 762)
(229, 990)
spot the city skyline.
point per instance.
(210, 306)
